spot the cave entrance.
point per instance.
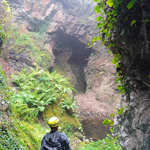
(71, 58)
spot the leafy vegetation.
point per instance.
(35, 91)
(69, 104)
(4, 17)
(118, 28)
(24, 131)
(4, 100)
(3, 86)
(116, 112)
(7, 141)
(38, 89)
(120, 23)
(30, 44)
(27, 134)
(107, 20)
(109, 143)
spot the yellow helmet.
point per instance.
(53, 122)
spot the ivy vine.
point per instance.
(109, 11)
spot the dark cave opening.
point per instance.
(71, 55)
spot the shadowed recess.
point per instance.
(69, 50)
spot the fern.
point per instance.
(38, 89)
(69, 104)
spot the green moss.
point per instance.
(30, 45)
(28, 134)
(65, 118)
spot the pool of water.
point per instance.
(93, 128)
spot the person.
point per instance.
(55, 140)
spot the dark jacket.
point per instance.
(62, 139)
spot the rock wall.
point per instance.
(133, 126)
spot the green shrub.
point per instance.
(109, 143)
(69, 104)
(37, 89)
(9, 142)
(4, 18)
(29, 43)
(67, 128)
(2, 81)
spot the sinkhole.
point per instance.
(71, 57)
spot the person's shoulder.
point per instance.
(46, 134)
(63, 135)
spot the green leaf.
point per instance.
(110, 26)
(121, 111)
(133, 22)
(131, 4)
(109, 51)
(99, 18)
(41, 108)
(113, 114)
(146, 20)
(125, 19)
(109, 18)
(111, 129)
(97, 9)
(110, 3)
(95, 0)
(94, 38)
(106, 122)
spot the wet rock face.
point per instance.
(134, 123)
(19, 61)
(75, 18)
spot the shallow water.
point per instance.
(93, 128)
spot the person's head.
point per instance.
(53, 122)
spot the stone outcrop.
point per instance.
(133, 126)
